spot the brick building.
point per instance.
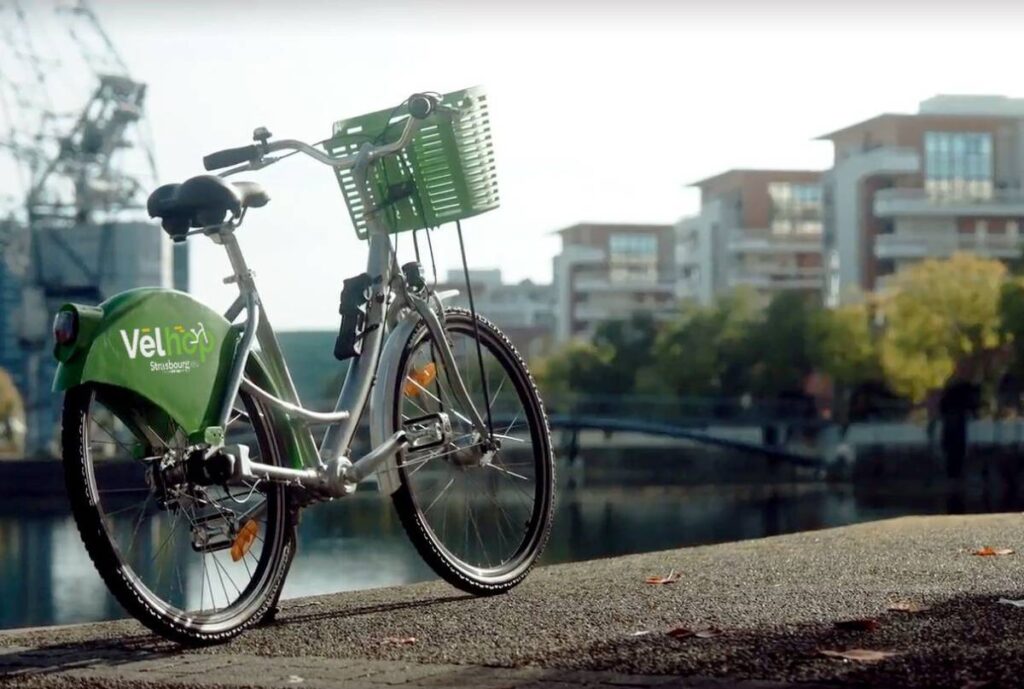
(905, 187)
(611, 271)
(756, 228)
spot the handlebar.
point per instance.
(231, 156)
(253, 157)
(421, 105)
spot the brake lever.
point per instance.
(247, 167)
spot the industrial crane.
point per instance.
(73, 226)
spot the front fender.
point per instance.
(382, 398)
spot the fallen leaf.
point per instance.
(989, 551)
(1014, 603)
(860, 655)
(680, 632)
(865, 625)
(672, 578)
(641, 632)
(709, 633)
(400, 640)
(907, 606)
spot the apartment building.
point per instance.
(760, 229)
(525, 311)
(905, 187)
(611, 271)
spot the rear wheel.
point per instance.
(480, 520)
(194, 562)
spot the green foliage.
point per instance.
(1011, 311)
(960, 318)
(783, 340)
(10, 400)
(578, 368)
(845, 346)
(628, 347)
(941, 317)
(704, 351)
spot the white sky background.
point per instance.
(600, 111)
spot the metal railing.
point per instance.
(764, 240)
(951, 198)
(920, 246)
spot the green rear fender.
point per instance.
(173, 351)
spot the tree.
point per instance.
(846, 348)
(1011, 315)
(577, 368)
(941, 318)
(12, 412)
(704, 351)
(784, 343)
(628, 344)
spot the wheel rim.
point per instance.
(153, 539)
(485, 518)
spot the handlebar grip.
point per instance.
(231, 156)
(421, 105)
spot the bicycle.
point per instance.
(187, 453)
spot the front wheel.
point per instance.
(479, 518)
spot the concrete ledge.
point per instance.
(774, 603)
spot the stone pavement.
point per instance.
(766, 610)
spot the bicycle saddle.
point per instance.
(201, 202)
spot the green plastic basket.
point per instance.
(445, 174)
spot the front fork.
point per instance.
(436, 329)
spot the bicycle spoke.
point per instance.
(154, 535)
(436, 399)
(507, 472)
(443, 490)
(482, 522)
(509, 437)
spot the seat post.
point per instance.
(241, 273)
(257, 322)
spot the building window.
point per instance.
(958, 164)
(633, 257)
(796, 208)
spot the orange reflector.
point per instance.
(420, 378)
(244, 540)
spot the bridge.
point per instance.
(573, 424)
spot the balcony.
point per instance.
(603, 283)
(778, 277)
(910, 247)
(918, 202)
(766, 242)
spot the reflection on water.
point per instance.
(46, 577)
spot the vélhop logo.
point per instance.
(166, 342)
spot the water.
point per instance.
(46, 577)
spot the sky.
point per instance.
(601, 111)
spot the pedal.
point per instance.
(213, 532)
(428, 431)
